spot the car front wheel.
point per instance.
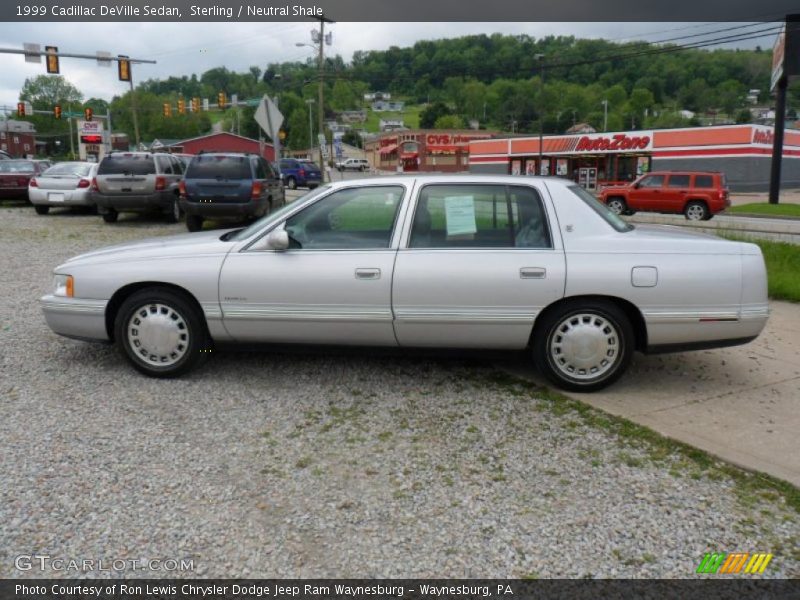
(617, 205)
(161, 333)
(291, 183)
(696, 211)
(583, 346)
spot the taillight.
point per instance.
(255, 191)
(95, 187)
(84, 183)
(182, 188)
(161, 183)
(33, 183)
(302, 172)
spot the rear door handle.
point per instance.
(532, 273)
(368, 273)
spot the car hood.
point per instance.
(195, 244)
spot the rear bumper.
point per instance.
(250, 208)
(14, 192)
(76, 318)
(70, 197)
(134, 202)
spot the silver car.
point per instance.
(499, 262)
(63, 184)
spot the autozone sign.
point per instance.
(616, 143)
(763, 136)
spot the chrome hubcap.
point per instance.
(695, 213)
(585, 346)
(158, 334)
(176, 210)
(615, 206)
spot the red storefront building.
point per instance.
(223, 142)
(423, 149)
(741, 152)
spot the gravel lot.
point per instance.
(313, 465)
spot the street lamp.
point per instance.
(539, 57)
(310, 102)
(319, 40)
(605, 114)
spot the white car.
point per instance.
(353, 164)
(63, 184)
(496, 262)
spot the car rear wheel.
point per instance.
(696, 211)
(583, 346)
(110, 216)
(194, 222)
(291, 183)
(617, 205)
(174, 214)
(161, 333)
(41, 209)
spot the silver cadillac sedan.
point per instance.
(494, 262)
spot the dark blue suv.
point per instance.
(300, 173)
(219, 185)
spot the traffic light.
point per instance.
(52, 59)
(123, 68)
(167, 109)
(57, 111)
(87, 114)
(221, 100)
(182, 106)
(20, 109)
(196, 105)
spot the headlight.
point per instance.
(63, 285)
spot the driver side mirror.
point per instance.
(278, 239)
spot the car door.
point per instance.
(333, 284)
(479, 262)
(675, 192)
(646, 194)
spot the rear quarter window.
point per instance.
(703, 181)
(127, 165)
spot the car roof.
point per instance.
(451, 178)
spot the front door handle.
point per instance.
(368, 273)
(532, 273)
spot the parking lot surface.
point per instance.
(279, 464)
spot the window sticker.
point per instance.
(460, 215)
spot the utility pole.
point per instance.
(310, 102)
(540, 58)
(605, 114)
(321, 90)
(133, 113)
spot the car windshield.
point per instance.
(127, 164)
(16, 166)
(68, 169)
(245, 233)
(219, 167)
(601, 209)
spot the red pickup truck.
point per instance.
(698, 195)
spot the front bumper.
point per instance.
(76, 318)
(157, 201)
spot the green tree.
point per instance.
(429, 116)
(449, 122)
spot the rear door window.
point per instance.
(219, 167)
(132, 164)
(678, 181)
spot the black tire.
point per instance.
(41, 209)
(174, 214)
(186, 327)
(362, 168)
(696, 210)
(194, 222)
(291, 183)
(110, 216)
(617, 205)
(611, 351)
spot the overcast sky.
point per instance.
(185, 48)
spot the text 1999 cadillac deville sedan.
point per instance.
(434, 261)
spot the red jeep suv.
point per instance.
(698, 195)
